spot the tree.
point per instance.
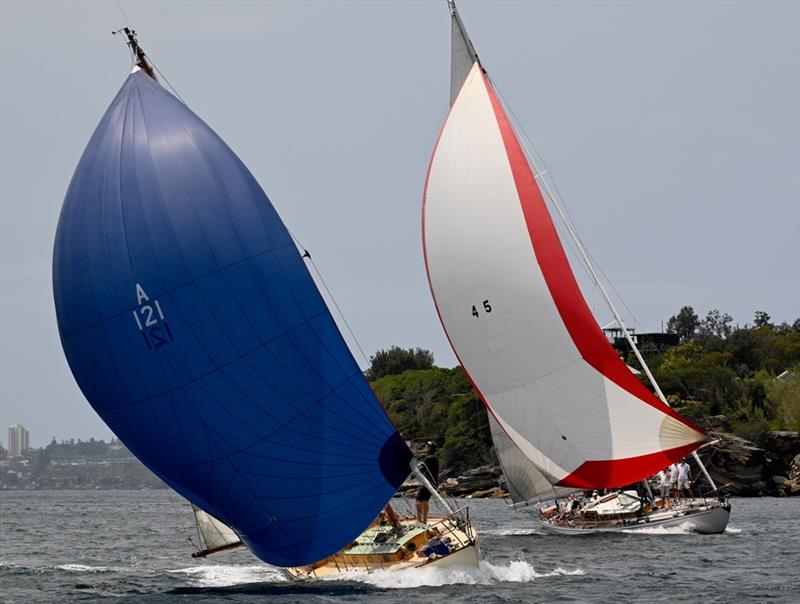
(784, 397)
(439, 404)
(762, 319)
(685, 324)
(716, 325)
(396, 360)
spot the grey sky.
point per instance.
(672, 130)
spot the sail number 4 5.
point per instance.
(487, 308)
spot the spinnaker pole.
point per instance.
(415, 469)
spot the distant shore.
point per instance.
(743, 468)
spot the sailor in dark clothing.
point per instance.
(431, 471)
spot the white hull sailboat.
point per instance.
(566, 413)
(625, 511)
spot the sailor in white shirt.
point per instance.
(673, 480)
(684, 485)
(663, 483)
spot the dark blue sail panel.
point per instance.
(193, 327)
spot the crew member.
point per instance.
(431, 472)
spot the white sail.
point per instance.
(516, 318)
(216, 535)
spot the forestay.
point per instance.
(516, 318)
(193, 327)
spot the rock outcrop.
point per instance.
(748, 470)
(483, 481)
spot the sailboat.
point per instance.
(194, 328)
(566, 413)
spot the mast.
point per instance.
(139, 56)
(617, 317)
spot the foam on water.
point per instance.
(225, 575)
(733, 530)
(85, 568)
(683, 529)
(517, 571)
(511, 532)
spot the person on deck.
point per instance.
(431, 471)
(673, 480)
(684, 482)
(663, 483)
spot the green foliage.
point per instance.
(714, 328)
(685, 324)
(734, 371)
(783, 397)
(438, 404)
(753, 426)
(689, 372)
(396, 360)
(762, 319)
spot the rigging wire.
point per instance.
(167, 82)
(181, 525)
(124, 16)
(307, 255)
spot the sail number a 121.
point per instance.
(150, 320)
(485, 307)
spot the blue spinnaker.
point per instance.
(194, 329)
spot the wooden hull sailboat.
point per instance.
(390, 543)
(193, 327)
(566, 413)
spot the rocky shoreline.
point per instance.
(747, 470)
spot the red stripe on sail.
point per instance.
(612, 473)
(578, 319)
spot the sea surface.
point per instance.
(134, 546)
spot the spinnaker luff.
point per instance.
(194, 329)
(559, 396)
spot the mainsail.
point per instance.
(195, 330)
(514, 313)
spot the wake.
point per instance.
(511, 532)
(487, 573)
(517, 571)
(228, 575)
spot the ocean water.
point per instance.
(134, 546)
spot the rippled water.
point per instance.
(133, 546)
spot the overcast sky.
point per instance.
(672, 130)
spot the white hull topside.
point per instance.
(711, 521)
(468, 557)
